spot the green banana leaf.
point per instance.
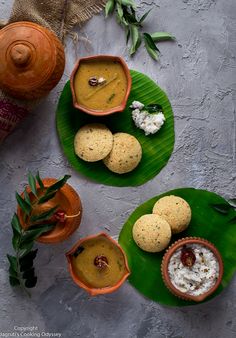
(219, 227)
(157, 148)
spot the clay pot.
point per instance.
(32, 60)
(165, 262)
(96, 291)
(119, 108)
(68, 200)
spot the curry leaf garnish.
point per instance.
(78, 251)
(126, 15)
(21, 267)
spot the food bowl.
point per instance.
(98, 264)
(88, 82)
(199, 280)
(66, 199)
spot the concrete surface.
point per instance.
(198, 74)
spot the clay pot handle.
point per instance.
(20, 55)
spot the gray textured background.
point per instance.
(198, 74)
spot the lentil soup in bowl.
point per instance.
(100, 84)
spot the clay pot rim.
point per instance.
(73, 199)
(96, 291)
(110, 111)
(165, 262)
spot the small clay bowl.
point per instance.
(68, 200)
(116, 109)
(165, 262)
(96, 291)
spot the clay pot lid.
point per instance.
(109, 111)
(96, 291)
(68, 200)
(165, 262)
(27, 55)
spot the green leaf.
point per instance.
(32, 184)
(150, 46)
(26, 197)
(40, 182)
(156, 148)
(119, 12)
(14, 281)
(222, 208)
(149, 41)
(58, 185)
(12, 272)
(205, 223)
(16, 238)
(136, 39)
(161, 36)
(13, 262)
(32, 235)
(44, 216)
(15, 223)
(109, 8)
(46, 197)
(130, 3)
(144, 16)
(23, 204)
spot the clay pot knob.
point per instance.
(20, 55)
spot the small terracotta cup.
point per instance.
(68, 200)
(165, 262)
(119, 108)
(96, 291)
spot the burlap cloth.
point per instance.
(59, 16)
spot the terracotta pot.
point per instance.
(32, 60)
(96, 291)
(68, 200)
(119, 108)
(165, 263)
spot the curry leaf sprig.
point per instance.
(125, 11)
(21, 267)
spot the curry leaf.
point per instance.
(25, 206)
(43, 216)
(59, 184)
(135, 37)
(40, 182)
(47, 197)
(32, 235)
(161, 36)
(32, 184)
(13, 262)
(30, 283)
(15, 223)
(26, 197)
(144, 16)
(150, 46)
(109, 8)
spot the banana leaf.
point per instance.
(157, 148)
(209, 221)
